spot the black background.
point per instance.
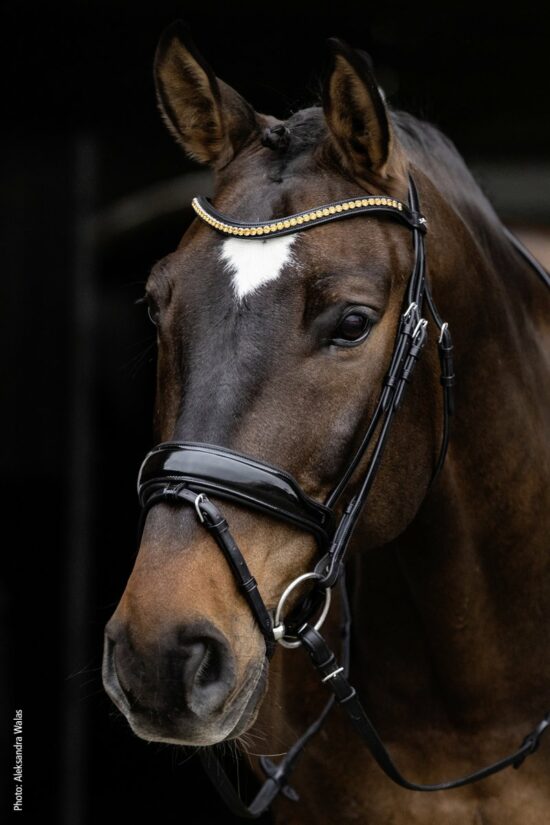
(80, 133)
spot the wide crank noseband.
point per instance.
(232, 476)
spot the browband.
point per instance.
(235, 477)
(304, 220)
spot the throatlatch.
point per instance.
(181, 472)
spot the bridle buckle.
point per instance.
(198, 501)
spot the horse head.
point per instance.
(276, 348)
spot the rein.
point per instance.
(185, 472)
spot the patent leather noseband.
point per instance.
(235, 477)
(188, 473)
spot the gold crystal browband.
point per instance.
(313, 217)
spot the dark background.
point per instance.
(94, 192)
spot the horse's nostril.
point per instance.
(111, 681)
(193, 658)
(208, 671)
(190, 671)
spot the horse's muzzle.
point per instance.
(180, 689)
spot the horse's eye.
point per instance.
(352, 329)
(152, 308)
(153, 313)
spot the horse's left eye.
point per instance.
(153, 313)
(152, 308)
(352, 329)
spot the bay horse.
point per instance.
(277, 348)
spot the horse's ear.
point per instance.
(209, 118)
(356, 114)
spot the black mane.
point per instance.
(294, 141)
(426, 147)
(436, 155)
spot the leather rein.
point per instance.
(187, 473)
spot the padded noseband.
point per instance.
(234, 477)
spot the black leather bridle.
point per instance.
(183, 472)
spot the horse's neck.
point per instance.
(455, 614)
(451, 621)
